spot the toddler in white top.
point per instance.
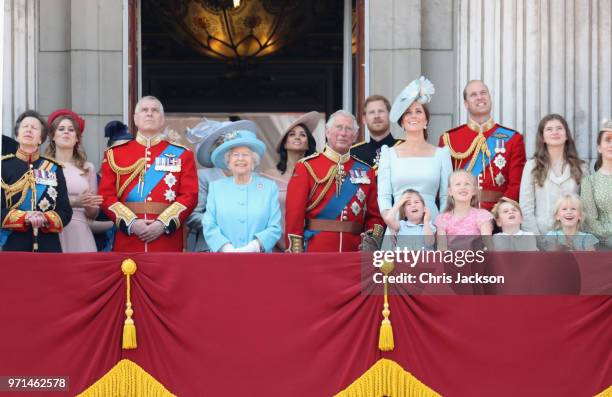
(410, 223)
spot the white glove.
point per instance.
(252, 246)
(228, 248)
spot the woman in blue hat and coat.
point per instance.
(242, 211)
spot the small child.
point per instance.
(508, 216)
(462, 217)
(414, 220)
(569, 217)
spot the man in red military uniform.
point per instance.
(493, 153)
(149, 185)
(332, 197)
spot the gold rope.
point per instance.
(135, 170)
(385, 336)
(328, 180)
(128, 267)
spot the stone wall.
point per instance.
(74, 60)
(537, 57)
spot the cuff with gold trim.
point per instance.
(170, 216)
(377, 233)
(296, 243)
(123, 216)
(15, 220)
(55, 224)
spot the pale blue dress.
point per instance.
(427, 175)
(237, 214)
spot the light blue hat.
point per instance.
(420, 90)
(236, 139)
(206, 133)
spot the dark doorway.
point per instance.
(304, 75)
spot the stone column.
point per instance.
(395, 47)
(20, 60)
(540, 57)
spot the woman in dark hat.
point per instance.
(296, 143)
(35, 205)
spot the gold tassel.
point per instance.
(126, 379)
(385, 337)
(387, 378)
(128, 267)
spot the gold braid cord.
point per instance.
(122, 213)
(135, 170)
(479, 144)
(21, 186)
(328, 180)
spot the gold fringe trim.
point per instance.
(606, 393)
(126, 379)
(387, 378)
(128, 267)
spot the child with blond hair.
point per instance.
(462, 217)
(569, 218)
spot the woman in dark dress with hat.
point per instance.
(35, 205)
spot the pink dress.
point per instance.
(465, 226)
(463, 232)
(77, 236)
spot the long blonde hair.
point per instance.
(573, 198)
(78, 153)
(450, 201)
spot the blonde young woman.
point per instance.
(65, 134)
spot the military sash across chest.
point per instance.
(165, 162)
(497, 140)
(31, 187)
(333, 208)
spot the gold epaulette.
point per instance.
(455, 129)
(174, 143)
(357, 159)
(8, 156)
(312, 156)
(358, 144)
(509, 129)
(51, 159)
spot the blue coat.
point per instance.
(237, 214)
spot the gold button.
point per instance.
(148, 165)
(345, 218)
(149, 199)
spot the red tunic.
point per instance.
(171, 200)
(505, 169)
(362, 207)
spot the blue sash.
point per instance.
(152, 177)
(27, 203)
(334, 207)
(491, 142)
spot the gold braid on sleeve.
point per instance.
(328, 180)
(172, 214)
(135, 170)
